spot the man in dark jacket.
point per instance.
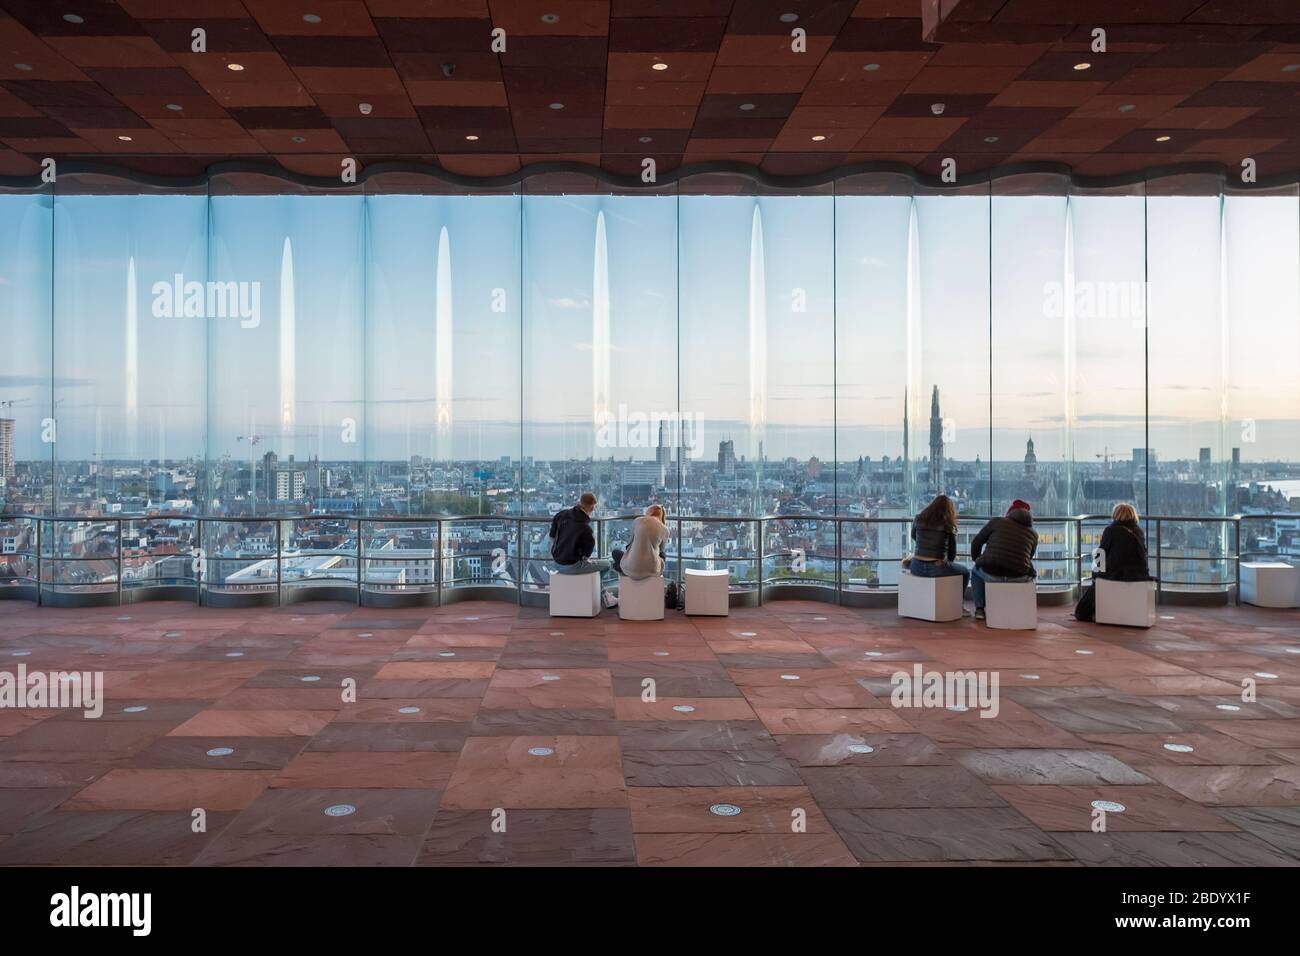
(1003, 551)
(572, 541)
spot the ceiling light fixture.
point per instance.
(237, 67)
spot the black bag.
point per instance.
(1086, 609)
(670, 596)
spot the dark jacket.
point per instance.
(934, 544)
(1005, 546)
(1126, 553)
(572, 537)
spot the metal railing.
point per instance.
(58, 558)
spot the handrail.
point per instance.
(758, 554)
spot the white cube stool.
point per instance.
(641, 600)
(930, 599)
(1269, 583)
(1129, 603)
(575, 595)
(708, 592)
(1011, 606)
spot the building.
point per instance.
(936, 443)
(1031, 460)
(8, 453)
(727, 458)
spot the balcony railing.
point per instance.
(436, 559)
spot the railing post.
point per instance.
(839, 561)
(762, 558)
(279, 565)
(119, 562)
(202, 561)
(681, 573)
(1236, 550)
(521, 566)
(1160, 569)
(437, 558)
(40, 546)
(360, 555)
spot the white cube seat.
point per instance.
(1127, 603)
(641, 600)
(1011, 605)
(930, 599)
(1269, 583)
(708, 592)
(575, 595)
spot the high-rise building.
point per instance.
(727, 458)
(1205, 458)
(936, 443)
(664, 451)
(6, 448)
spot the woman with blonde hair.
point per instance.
(1121, 556)
(644, 557)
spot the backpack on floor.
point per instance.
(670, 596)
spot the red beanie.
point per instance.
(1019, 503)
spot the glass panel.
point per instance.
(478, 553)
(400, 556)
(129, 356)
(442, 351)
(26, 449)
(600, 347)
(723, 545)
(286, 425)
(158, 552)
(240, 555)
(949, 392)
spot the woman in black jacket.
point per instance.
(935, 534)
(1122, 557)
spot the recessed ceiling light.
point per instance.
(25, 67)
(125, 139)
(73, 18)
(174, 107)
(299, 139)
(1291, 67)
(1163, 139)
(659, 66)
(1083, 66)
(557, 106)
(746, 106)
(990, 139)
(646, 139)
(1127, 108)
(550, 18)
(818, 138)
(789, 17)
(237, 67)
(472, 138)
(871, 67)
(311, 17)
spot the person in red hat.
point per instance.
(1003, 551)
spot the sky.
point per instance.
(434, 325)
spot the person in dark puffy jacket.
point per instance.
(1004, 551)
(1122, 557)
(935, 534)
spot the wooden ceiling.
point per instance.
(612, 82)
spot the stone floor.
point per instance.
(479, 718)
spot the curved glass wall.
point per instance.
(829, 357)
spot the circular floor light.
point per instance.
(724, 809)
(541, 751)
(1109, 806)
(340, 810)
(1180, 748)
(221, 751)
